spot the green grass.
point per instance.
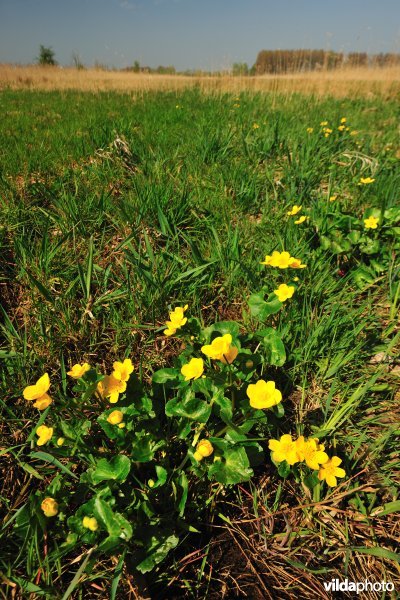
(115, 206)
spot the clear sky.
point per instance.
(204, 34)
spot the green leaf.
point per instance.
(189, 407)
(233, 468)
(283, 469)
(116, 525)
(274, 348)
(183, 482)
(311, 480)
(143, 447)
(225, 405)
(162, 475)
(164, 375)
(262, 309)
(161, 549)
(116, 469)
(224, 327)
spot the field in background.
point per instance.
(177, 196)
(341, 82)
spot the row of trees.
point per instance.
(289, 61)
(268, 61)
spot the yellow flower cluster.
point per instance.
(203, 449)
(294, 211)
(115, 384)
(221, 349)
(283, 260)
(90, 523)
(50, 507)
(38, 392)
(193, 369)
(311, 452)
(177, 320)
(263, 394)
(78, 371)
(371, 223)
(45, 434)
(366, 181)
(116, 418)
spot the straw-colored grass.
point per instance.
(342, 82)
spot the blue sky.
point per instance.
(207, 34)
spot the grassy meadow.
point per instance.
(116, 207)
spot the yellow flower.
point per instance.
(177, 320)
(263, 394)
(255, 126)
(45, 434)
(50, 507)
(122, 371)
(310, 129)
(78, 371)
(327, 131)
(330, 470)
(311, 452)
(284, 449)
(332, 198)
(193, 369)
(221, 349)
(296, 209)
(366, 181)
(371, 223)
(301, 220)
(38, 392)
(203, 449)
(282, 260)
(90, 523)
(111, 388)
(342, 127)
(353, 132)
(116, 417)
(284, 292)
(295, 263)
(323, 123)
(343, 120)
(60, 441)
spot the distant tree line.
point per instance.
(289, 61)
(268, 61)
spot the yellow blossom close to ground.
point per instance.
(38, 392)
(50, 507)
(221, 349)
(203, 449)
(294, 210)
(311, 452)
(176, 320)
(77, 371)
(263, 394)
(371, 223)
(284, 449)
(90, 523)
(45, 434)
(282, 260)
(284, 292)
(193, 369)
(330, 470)
(116, 417)
(111, 388)
(122, 370)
